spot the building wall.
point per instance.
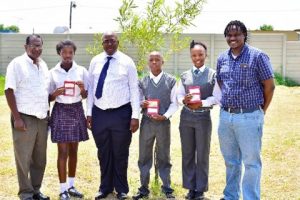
(284, 54)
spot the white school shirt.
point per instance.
(120, 85)
(58, 76)
(209, 101)
(173, 106)
(30, 84)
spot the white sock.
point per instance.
(63, 187)
(71, 181)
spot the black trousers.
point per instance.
(112, 136)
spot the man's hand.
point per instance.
(89, 122)
(134, 125)
(19, 125)
(158, 117)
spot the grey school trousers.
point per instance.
(30, 154)
(150, 131)
(195, 133)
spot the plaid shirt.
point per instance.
(241, 77)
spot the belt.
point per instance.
(202, 110)
(241, 110)
(123, 106)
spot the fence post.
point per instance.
(284, 56)
(212, 51)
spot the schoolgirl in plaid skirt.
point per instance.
(68, 86)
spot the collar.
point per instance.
(60, 69)
(245, 48)
(115, 55)
(29, 59)
(202, 69)
(156, 77)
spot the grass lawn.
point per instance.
(280, 154)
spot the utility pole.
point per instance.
(72, 5)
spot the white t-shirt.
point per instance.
(30, 84)
(58, 76)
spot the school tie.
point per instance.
(102, 77)
(196, 71)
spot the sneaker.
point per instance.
(64, 196)
(74, 193)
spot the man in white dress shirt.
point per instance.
(113, 113)
(26, 91)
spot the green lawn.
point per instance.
(280, 154)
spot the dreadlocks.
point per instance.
(236, 25)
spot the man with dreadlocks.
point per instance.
(245, 76)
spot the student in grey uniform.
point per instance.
(195, 122)
(160, 88)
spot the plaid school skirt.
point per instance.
(68, 123)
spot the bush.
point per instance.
(2, 81)
(280, 80)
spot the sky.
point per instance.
(92, 16)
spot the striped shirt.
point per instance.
(241, 77)
(120, 85)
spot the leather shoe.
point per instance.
(40, 196)
(199, 195)
(190, 195)
(122, 196)
(100, 195)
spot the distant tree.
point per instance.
(11, 28)
(159, 27)
(266, 27)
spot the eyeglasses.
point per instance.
(33, 46)
(111, 41)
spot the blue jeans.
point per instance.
(240, 142)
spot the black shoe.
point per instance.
(40, 196)
(222, 198)
(64, 196)
(139, 195)
(74, 193)
(199, 195)
(190, 195)
(122, 196)
(100, 195)
(168, 192)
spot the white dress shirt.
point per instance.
(209, 101)
(30, 84)
(120, 85)
(58, 76)
(173, 106)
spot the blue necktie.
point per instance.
(196, 71)
(102, 77)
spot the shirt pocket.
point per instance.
(225, 72)
(246, 75)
